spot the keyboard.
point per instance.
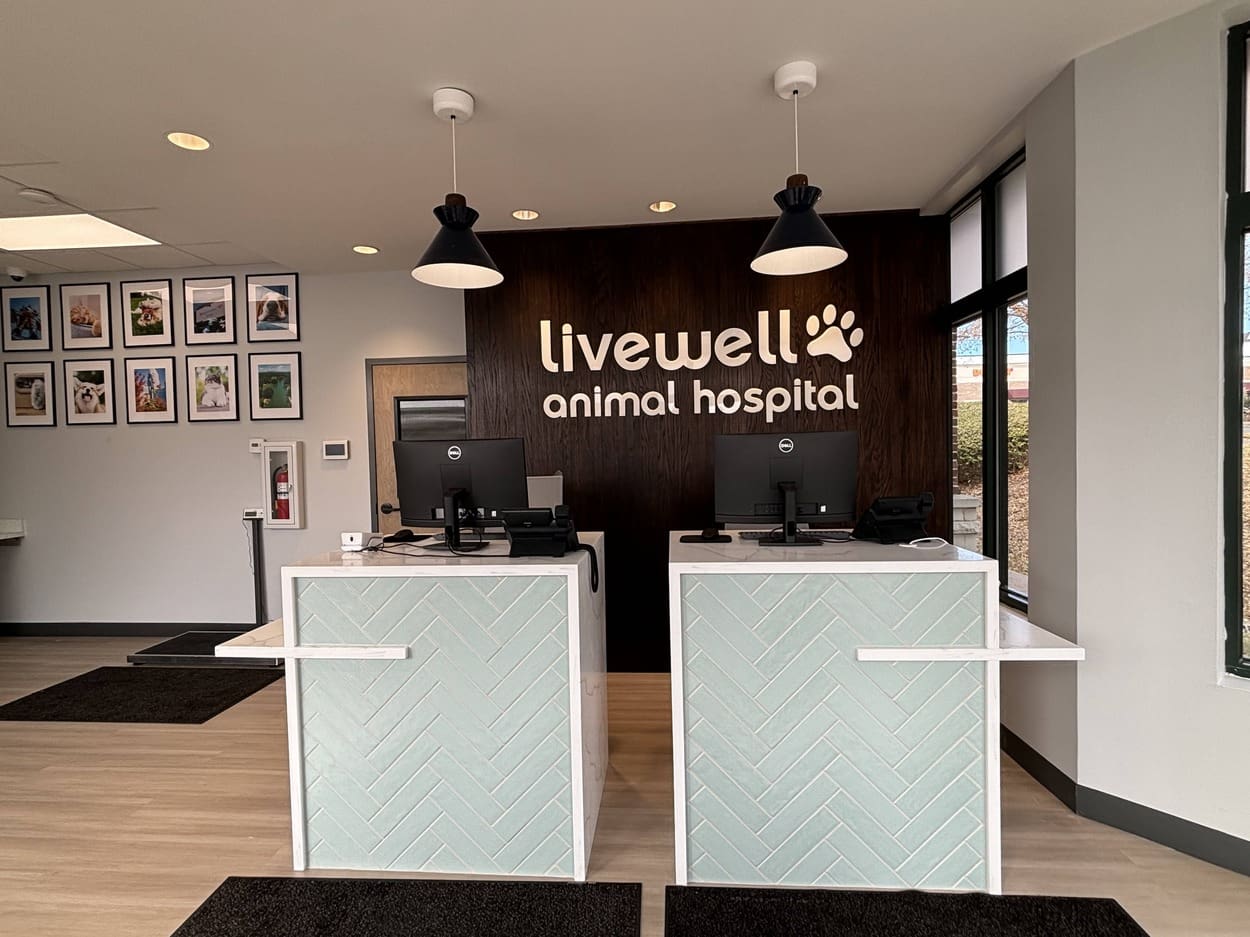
(829, 536)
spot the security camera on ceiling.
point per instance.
(16, 274)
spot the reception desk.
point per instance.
(444, 713)
(835, 714)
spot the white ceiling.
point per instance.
(323, 137)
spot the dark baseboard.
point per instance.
(111, 629)
(1185, 836)
(1045, 773)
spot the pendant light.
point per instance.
(455, 258)
(800, 241)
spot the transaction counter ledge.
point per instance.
(835, 714)
(444, 713)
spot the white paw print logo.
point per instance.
(839, 339)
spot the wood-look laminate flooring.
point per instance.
(110, 830)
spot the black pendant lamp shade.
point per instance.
(455, 258)
(800, 241)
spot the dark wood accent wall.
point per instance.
(638, 477)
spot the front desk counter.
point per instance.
(444, 713)
(835, 714)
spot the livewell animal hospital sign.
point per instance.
(830, 335)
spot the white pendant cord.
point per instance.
(796, 130)
(453, 154)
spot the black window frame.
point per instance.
(1237, 227)
(991, 302)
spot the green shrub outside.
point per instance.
(968, 437)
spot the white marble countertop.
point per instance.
(856, 556)
(267, 643)
(411, 556)
(12, 528)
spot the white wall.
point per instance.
(1156, 727)
(1039, 700)
(143, 523)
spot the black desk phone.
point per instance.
(546, 532)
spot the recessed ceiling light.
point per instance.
(525, 214)
(38, 195)
(62, 232)
(662, 206)
(365, 249)
(188, 141)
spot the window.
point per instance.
(419, 418)
(989, 322)
(1237, 364)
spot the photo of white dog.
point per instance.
(211, 388)
(89, 396)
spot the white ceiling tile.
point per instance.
(154, 257)
(28, 263)
(79, 261)
(224, 253)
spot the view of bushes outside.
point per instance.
(968, 454)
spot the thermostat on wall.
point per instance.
(335, 449)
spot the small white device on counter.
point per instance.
(354, 541)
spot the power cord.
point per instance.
(926, 543)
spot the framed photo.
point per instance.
(276, 389)
(150, 392)
(28, 394)
(147, 313)
(212, 387)
(85, 316)
(26, 318)
(89, 396)
(273, 307)
(208, 310)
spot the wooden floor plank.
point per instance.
(122, 830)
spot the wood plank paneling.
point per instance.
(637, 478)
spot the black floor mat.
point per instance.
(141, 694)
(703, 911)
(365, 907)
(196, 649)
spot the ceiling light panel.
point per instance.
(65, 232)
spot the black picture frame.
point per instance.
(189, 363)
(296, 388)
(74, 417)
(192, 337)
(135, 417)
(68, 342)
(9, 340)
(253, 283)
(167, 336)
(48, 376)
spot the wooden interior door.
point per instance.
(403, 378)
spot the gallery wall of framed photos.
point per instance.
(173, 337)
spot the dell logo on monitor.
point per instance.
(453, 453)
(786, 444)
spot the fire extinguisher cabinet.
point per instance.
(282, 481)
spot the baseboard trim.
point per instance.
(1045, 773)
(1185, 836)
(111, 629)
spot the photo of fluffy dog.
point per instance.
(147, 313)
(90, 392)
(212, 387)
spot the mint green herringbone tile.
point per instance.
(456, 759)
(805, 766)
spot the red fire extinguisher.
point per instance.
(281, 494)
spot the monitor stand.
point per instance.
(789, 536)
(454, 499)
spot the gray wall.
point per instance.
(1039, 700)
(143, 523)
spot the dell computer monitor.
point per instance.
(454, 483)
(785, 478)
